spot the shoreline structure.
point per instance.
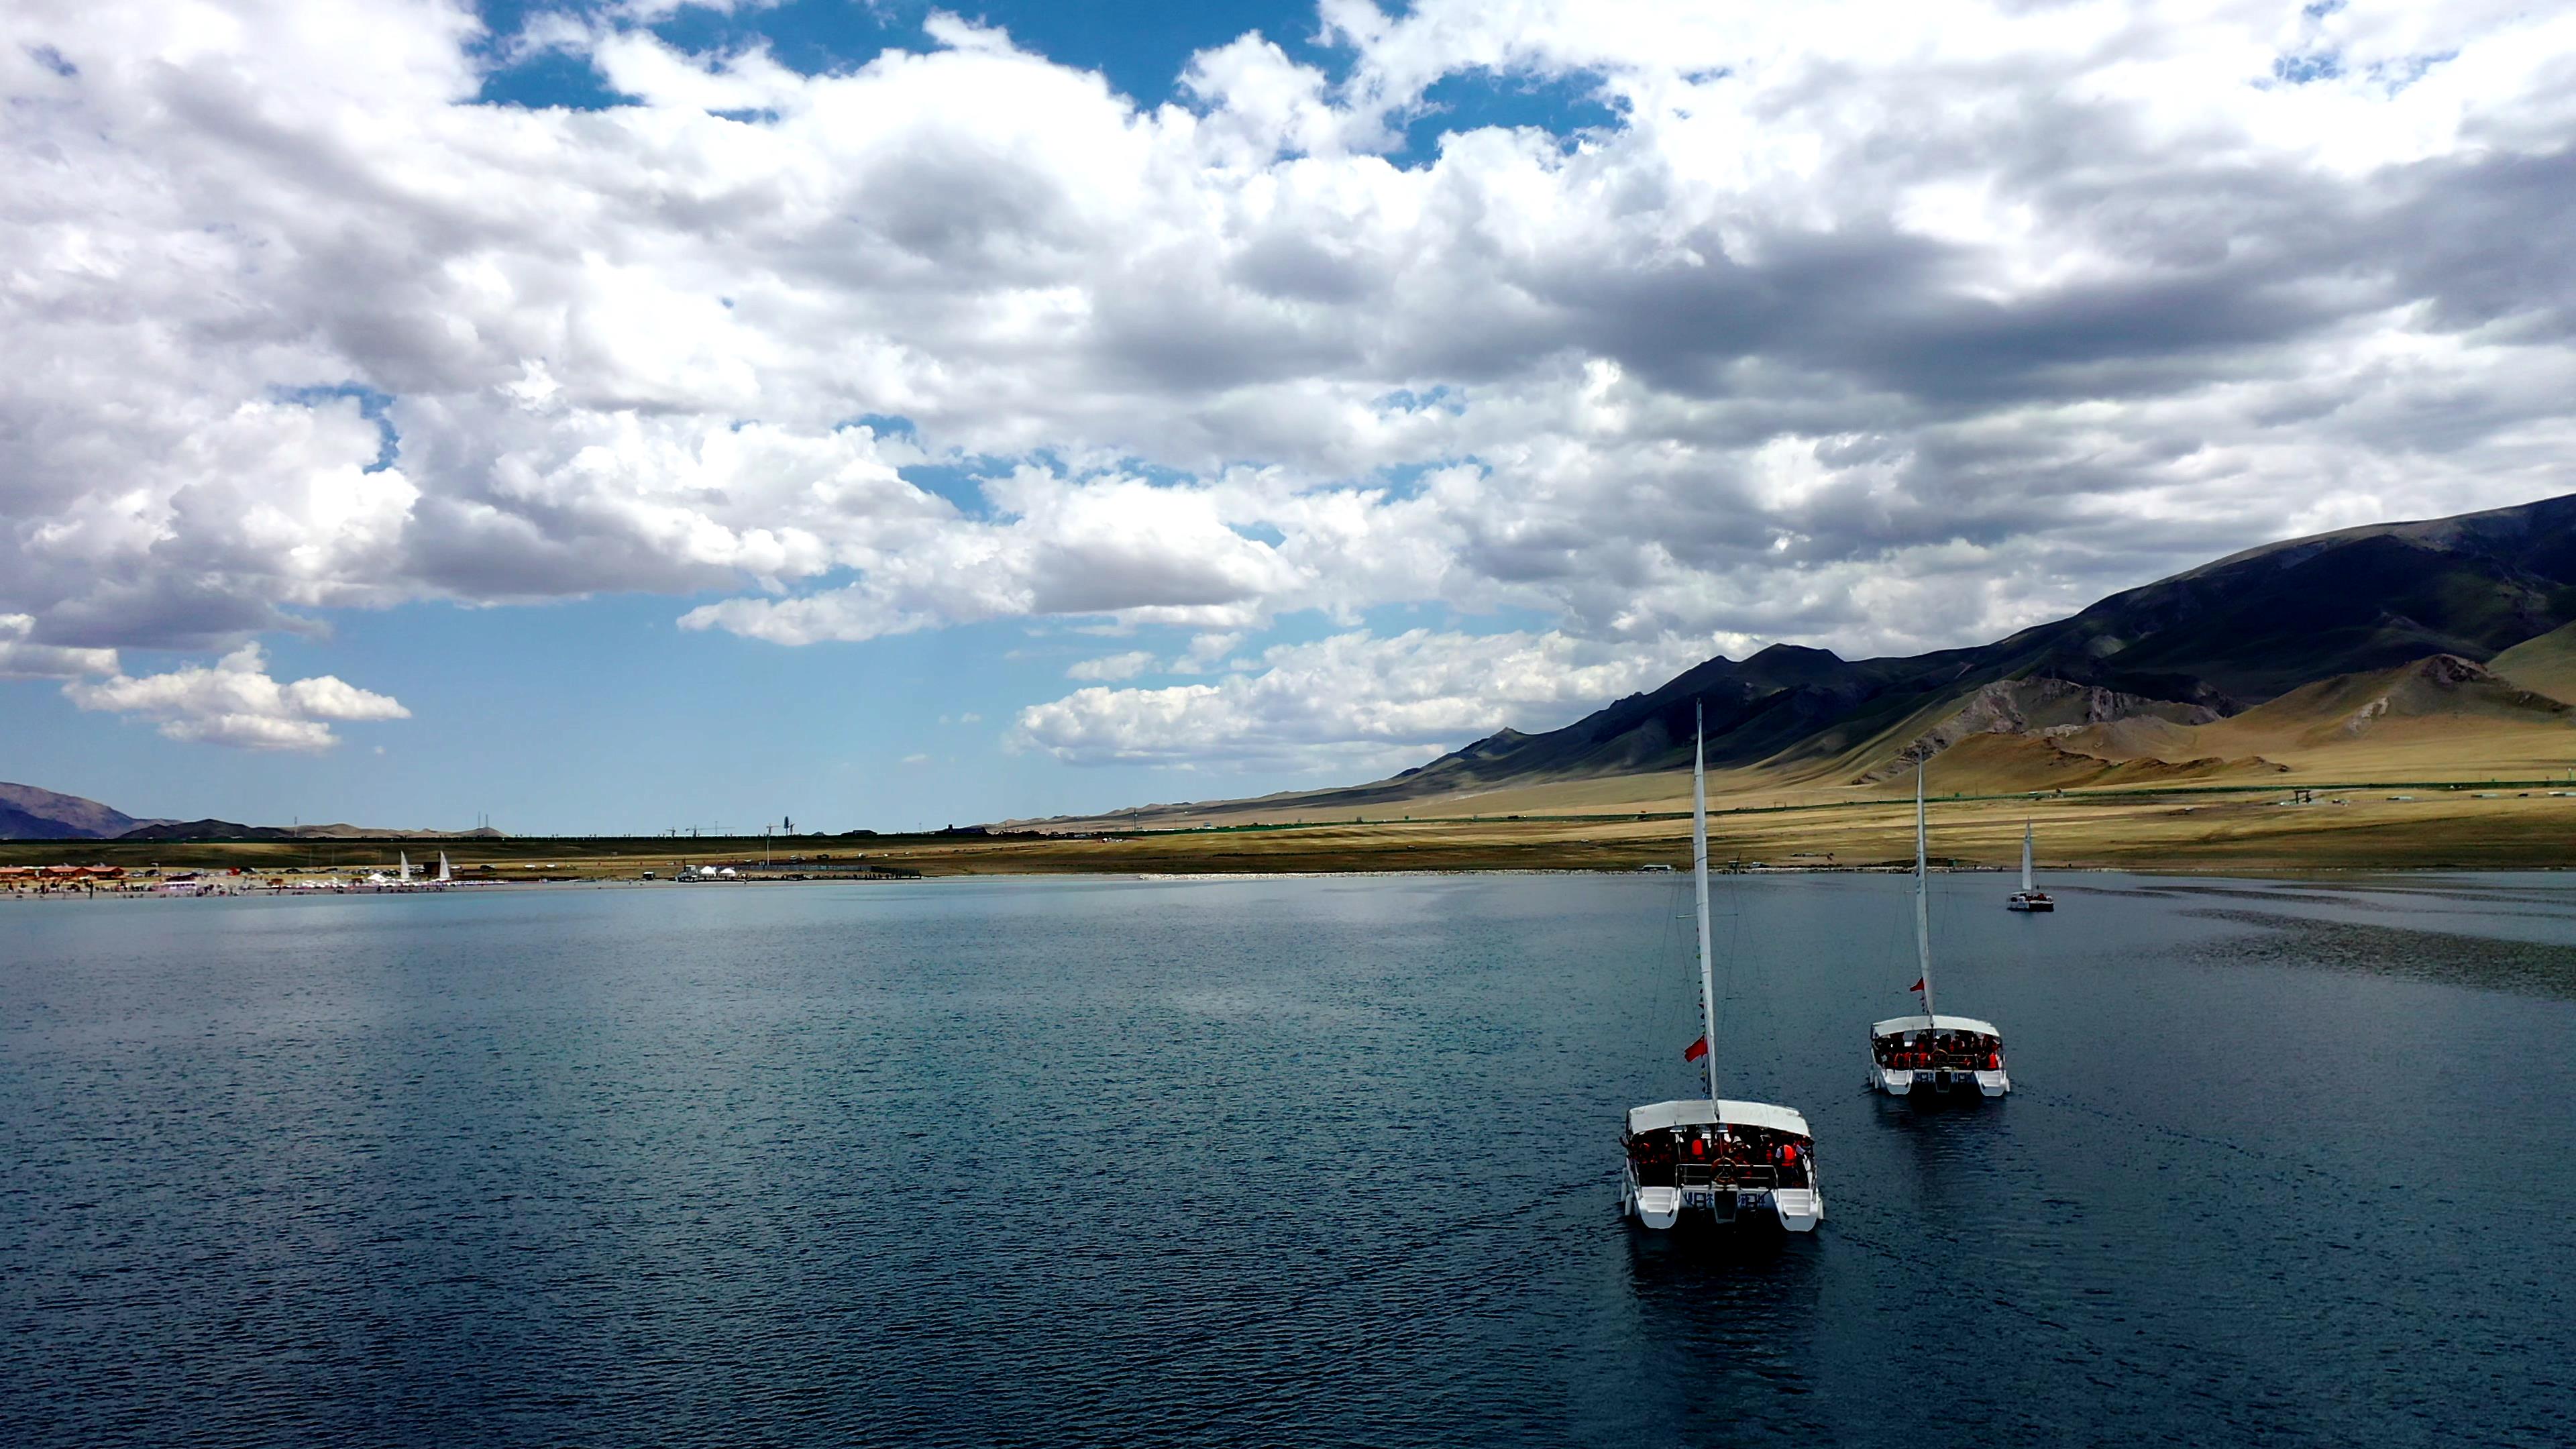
(265, 892)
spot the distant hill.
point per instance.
(2149, 681)
(29, 813)
(230, 830)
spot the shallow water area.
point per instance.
(1312, 1161)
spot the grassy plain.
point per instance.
(2205, 828)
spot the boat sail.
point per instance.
(1940, 1052)
(2029, 897)
(1710, 1158)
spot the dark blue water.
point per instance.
(1282, 1162)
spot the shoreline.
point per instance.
(1237, 877)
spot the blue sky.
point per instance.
(631, 416)
(599, 713)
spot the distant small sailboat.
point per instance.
(445, 876)
(1929, 1050)
(2029, 897)
(1708, 1157)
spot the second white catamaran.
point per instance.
(1710, 1158)
(1930, 1051)
(2030, 897)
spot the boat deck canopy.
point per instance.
(1658, 1116)
(1894, 1025)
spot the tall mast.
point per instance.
(2026, 886)
(1699, 880)
(1922, 911)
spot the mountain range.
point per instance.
(2364, 645)
(29, 813)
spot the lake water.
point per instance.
(1278, 1162)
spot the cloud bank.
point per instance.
(1867, 325)
(1350, 701)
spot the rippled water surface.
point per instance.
(1277, 1162)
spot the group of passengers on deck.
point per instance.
(1956, 1050)
(1657, 1154)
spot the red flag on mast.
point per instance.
(1917, 986)
(1695, 1050)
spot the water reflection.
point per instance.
(1719, 1335)
(2527, 967)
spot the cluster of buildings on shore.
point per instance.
(20, 877)
(23, 880)
(20, 881)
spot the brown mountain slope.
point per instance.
(2001, 764)
(2421, 720)
(2545, 665)
(2024, 708)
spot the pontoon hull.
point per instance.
(1902, 1082)
(1655, 1207)
(1798, 1209)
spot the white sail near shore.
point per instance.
(1928, 1049)
(2030, 897)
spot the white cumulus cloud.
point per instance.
(20, 659)
(236, 703)
(1113, 666)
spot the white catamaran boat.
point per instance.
(2029, 897)
(1710, 1158)
(1941, 1053)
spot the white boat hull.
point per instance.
(1798, 1209)
(1903, 1082)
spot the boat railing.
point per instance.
(1922, 1061)
(1755, 1176)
